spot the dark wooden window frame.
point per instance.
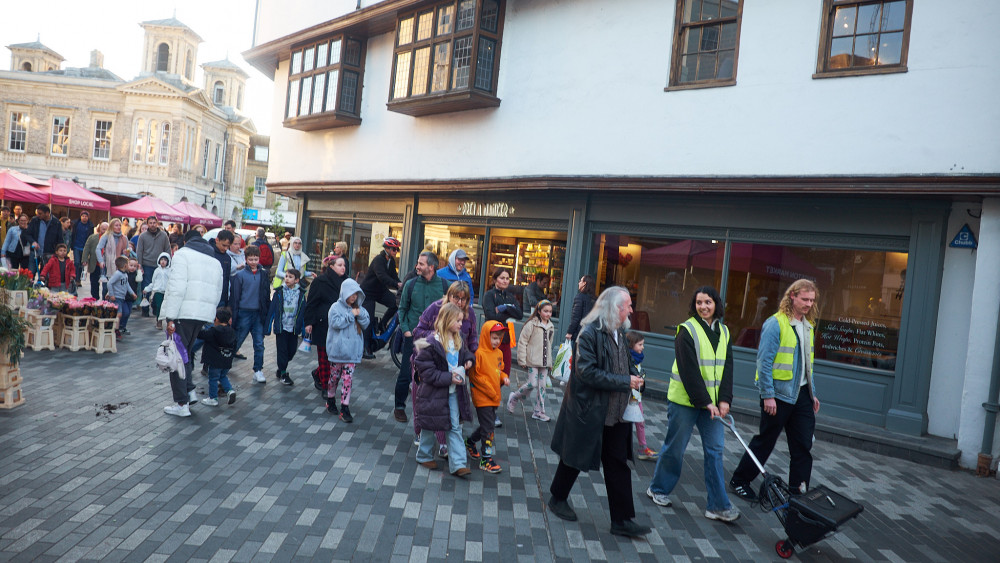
(451, 99)
(826, 39)
(677, 50)
(326, 118)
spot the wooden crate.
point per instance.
(10, 376)
(11, 397)
(102, 335)
(41, 336)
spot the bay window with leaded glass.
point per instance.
(324, 84)
(446, 57)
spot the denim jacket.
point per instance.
(786, 391)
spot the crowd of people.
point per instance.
(211, 294)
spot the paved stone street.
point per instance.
(274, 477)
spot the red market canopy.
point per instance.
(199, 215)
(149, 205)
(71, 194)
(13, 189)
(31, 180)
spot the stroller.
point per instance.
(807, 517)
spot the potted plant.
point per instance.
(12, 331)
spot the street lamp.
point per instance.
(212, 194)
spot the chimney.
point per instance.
(96, 59)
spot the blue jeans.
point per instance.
(681, 421)
(125, 310)
(456, 445)
(147, 278)
(249, 322)
(215, 377)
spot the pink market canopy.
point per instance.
(13, 189)
(149, 205)
(199, 215)
(71, 194)
(31, 180)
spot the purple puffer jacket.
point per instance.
(431, 367)
(469, 330)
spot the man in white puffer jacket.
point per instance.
(194, 289)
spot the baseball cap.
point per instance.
(461, 255)
(498, 327)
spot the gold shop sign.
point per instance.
(477, 209)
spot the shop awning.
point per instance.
(199, 215)
(13, 189)
(71, 194)
(149, 205)
(31, 180)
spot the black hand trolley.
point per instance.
(807, 517)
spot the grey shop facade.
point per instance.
(879, 271)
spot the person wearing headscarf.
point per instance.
(293, 258)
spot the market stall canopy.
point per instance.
(26, 178)
(199, 215)
(71, 194)
(13, 189)
(149, 205)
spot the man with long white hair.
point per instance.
(590, 432)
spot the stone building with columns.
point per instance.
(158, 133)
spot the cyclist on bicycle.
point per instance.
(378, 285)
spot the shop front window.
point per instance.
(659, 273)
(367, 243)
(326, 233)
(442, 240)
(530, 256)
(859, 306)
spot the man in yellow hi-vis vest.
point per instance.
(787, 389)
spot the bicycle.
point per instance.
(392, 335)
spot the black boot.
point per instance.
(331, 405)
(345, 414)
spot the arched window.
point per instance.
(26, 66)
(188, 66)
(164, 143)
(162, 57)
(151, 141)
(239, 97)
(140, 139)
(220, 93)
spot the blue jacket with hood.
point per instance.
(450, 273)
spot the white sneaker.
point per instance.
(658, 499)
(192, 397)
(232, 396)
(210, 402)
(177, 410)
(727, 515)
(258, 376)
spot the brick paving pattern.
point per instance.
(276, 478)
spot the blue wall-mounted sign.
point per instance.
(964, 239)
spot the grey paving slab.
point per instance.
(276, 478)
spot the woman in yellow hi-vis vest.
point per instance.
(787, 390)
(701, 388)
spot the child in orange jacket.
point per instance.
(485, 380)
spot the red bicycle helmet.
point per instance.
(391, 242)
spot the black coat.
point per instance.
(430, 368)
(381, 276)
(580, 426)
(582, 304)
(227, 266)
(323, 292)
(220, 345)
(53, 235)
(495, 297)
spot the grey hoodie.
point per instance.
(345, 341)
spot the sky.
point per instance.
(73, 29)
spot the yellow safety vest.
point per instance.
(784, 361)
(711, 363)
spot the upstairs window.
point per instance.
(189, 66)
(164, 143)
(219, 97)
(140, 140)
(864, 38)
(259, 186)
(162, 57)
(204, 158)
(60, 136)
(152, 138)
(324, 84)
(446, 57)
(102, 140)
(706, 43)
(18, 138)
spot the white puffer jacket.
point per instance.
(194, 287)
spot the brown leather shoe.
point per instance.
(463, 472)
(399, 415)
(429, 464)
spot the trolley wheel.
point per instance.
(784, 549)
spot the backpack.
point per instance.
(266, 255)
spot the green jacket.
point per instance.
(418, 294)
(89, 256)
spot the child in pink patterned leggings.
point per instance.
(345, 345)
(637, 344)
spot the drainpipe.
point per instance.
(992, 407)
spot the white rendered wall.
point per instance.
(581, 85)
(982, 334)
(951, 342)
